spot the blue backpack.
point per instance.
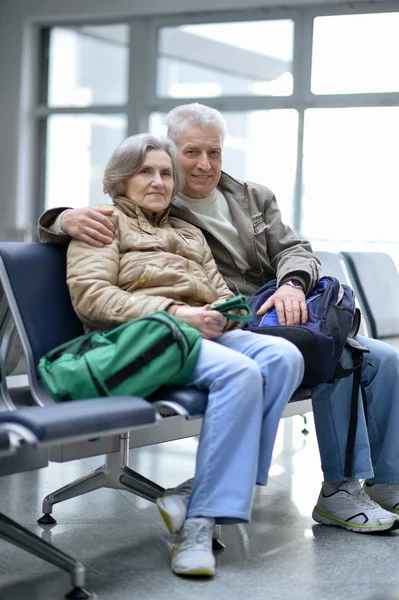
(332, 319)
(333, 323)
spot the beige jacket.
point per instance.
(154, 263)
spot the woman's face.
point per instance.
(152, 186)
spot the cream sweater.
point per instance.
(215, 214)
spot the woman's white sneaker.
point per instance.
(173, 506)
(351, 508)
(192, 552)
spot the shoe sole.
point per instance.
(326, 519)
(196, 573)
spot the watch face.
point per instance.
(295, 283)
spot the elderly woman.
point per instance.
(161, 263)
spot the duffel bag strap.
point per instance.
(236, 303)
(151, 354)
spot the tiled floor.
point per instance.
(281, 555)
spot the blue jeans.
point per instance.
(376, 453)
(249, 378)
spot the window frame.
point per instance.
(142, 98)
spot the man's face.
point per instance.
(200, 155)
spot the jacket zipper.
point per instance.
(252, 232)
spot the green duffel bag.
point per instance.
(135, 358)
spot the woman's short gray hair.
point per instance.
(194, 114)
(127, 159)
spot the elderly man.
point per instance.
(251, 245)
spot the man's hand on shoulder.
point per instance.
(89, 224)
(290, 304)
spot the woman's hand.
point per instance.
(210, 323)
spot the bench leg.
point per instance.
(115, 474)
(23, 538)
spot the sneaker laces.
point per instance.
(195, 534)
(364, 498)
(184, 489)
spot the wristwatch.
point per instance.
(294, 283)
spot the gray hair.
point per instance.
(128, 157)
(194, 114)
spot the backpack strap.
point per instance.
(351, 438)
(358, 351)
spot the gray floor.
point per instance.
(282, 554)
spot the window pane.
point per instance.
(78, 149)
(261, 146)
(248, 58)
(88, 65)
(350, 184)
(356, 53)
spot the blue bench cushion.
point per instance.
(4, 441)
(73, 419)
(194, 400)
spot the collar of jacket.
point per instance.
(147, 219)
(229, 184)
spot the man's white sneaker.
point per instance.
(192, 551)
(173, 506)
(387, 495)
(351, 508)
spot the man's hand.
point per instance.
(290, 304)
(210, 323)
(90, 224)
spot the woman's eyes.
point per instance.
(146, 171)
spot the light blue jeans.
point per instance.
(250, 379)
(376, 453)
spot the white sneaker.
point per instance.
(351, 508)
(192, 551)
(173, 506)
(387, 495)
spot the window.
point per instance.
(78, 149)
(87, 68)
(350, 184)
(103, 82)
(88, 65)
(246, 58)
(355, 53)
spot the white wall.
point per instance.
(18, 62)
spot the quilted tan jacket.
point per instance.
(154, 263)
